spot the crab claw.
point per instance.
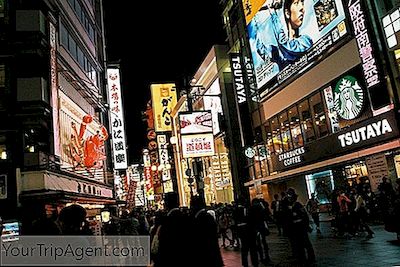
(87, 119)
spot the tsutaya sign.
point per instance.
(364, 133)
(238, 77)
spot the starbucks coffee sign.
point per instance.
(348, 98)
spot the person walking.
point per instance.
(298, 228)
(312, 208)
(276, 207)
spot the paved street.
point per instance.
(331, 251)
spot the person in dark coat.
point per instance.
(298, 228)
(174, 236)
(205, 236)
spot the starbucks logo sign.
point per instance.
(348, 98)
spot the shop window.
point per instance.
(295, 129)
(321, 184)
(36, 139)
(318, 112)
(276, 135)
(285, 131)
(306, 121)
(332, 114)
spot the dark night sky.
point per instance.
(168, 39)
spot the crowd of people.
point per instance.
(199, 232)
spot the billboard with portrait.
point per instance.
(288, 36)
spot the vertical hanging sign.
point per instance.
(372, 71)
(117, 119)
(54, 89)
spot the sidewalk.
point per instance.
(380, 251)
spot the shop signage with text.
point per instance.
(292, 157)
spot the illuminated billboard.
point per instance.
(196, 122)
(288, 37)
(117, 119)
(213, 103)
(164, 100)
(197, 145)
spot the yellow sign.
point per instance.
(164, 100)
(251, 7)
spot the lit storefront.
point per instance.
(324, 122)
(212, 168)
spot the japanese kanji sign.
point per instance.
(117, 119)
(164, 100)
(198, 145)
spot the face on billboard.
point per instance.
(286, 37)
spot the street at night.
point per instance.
(237, 133)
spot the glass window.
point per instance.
(80, 57)
(3, 152)
(276, 135)
(269, 142)
(306, 121)
(295, 129)
(64, 36)
(72, 47)
(285, 131)
(318, 111)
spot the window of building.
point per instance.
(285, 131)
(306, 121)
(276, 135)
(72, 47)
(295, 129)
(64, 36)
(319, 114)
(268, 133)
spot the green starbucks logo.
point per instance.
(348, 98)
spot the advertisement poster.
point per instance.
(196, 122)
(287, 37)
(164, 100)
(213, 103)
(377, 169)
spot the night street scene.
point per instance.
(237, 133)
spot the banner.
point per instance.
(287, 37)
(198, 145)
(164, 100)
(117, 119)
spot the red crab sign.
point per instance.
(87, 152)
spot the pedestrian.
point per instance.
(362, 214)
(174, 235)
(258, 226)
(312, 207)
(298, 229)
(276, 207)
(204, 236)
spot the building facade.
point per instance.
(54, 140)
(326, 112)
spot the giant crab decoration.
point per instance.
(87, 152)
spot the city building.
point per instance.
(326, 98)
(205, 133)
(54, 138)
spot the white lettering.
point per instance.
(370, 132)
(341, 139)
(364, 133)
(386, 127)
